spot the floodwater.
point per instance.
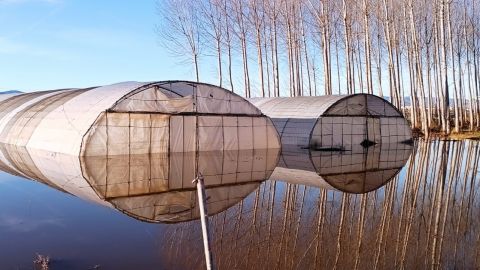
(384, 207)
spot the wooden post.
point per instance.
(204, 220)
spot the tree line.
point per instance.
(423, 55)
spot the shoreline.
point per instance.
(462, 135)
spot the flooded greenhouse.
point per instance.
(335, 122)
(135, 118)
(101, 178)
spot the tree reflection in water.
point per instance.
(424, 217)
(359, 209)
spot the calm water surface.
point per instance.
(366, 210)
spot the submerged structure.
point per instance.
(335, 122)
(134, 118)
(137, 146)
(353, 143)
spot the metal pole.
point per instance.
(204, 220)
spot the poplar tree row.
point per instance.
(422, 55)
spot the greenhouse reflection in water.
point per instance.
(153, 188)
(159, 188)
(359, 170)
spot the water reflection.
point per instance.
(153, 188)
(424, 218)
(358, 170)
(159, 188)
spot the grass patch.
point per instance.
(42, 262)
(462, 135)
(472, 135)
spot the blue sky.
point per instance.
(48, 44)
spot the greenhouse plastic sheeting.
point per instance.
(334, 122)
(135, 118)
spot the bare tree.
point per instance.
(424, 53)
(212, 13)
(180, 30)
